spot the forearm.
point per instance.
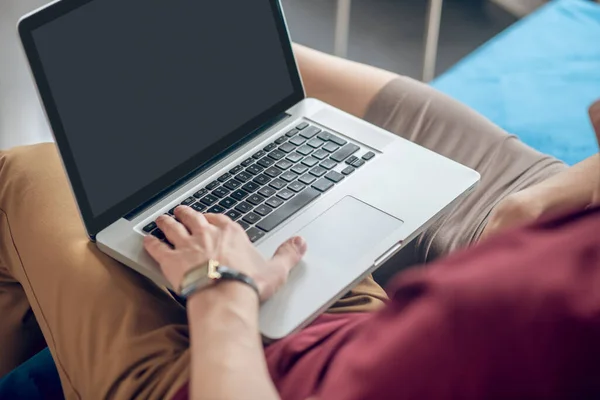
(227, 355)
(568, 191)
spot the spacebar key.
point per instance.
(288, 209)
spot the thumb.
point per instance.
(289, 254)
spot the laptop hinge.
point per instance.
(170, 189)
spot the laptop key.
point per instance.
(243, 225)
(262, 179)
(226, 176)
(209, 199)
(239, 195)
(324, 135)
(216, 209)
(247, 162)
(331, 147)
(310, 132)
(267, 191)
(273, 172)
(232, 184)
(348, 170)
(368, 156)
(307, 179)
(358, 163)
(344, 152)
(274, 202)
(198, 207)
(318, 171)
(221, 192)
(277, 154)
(292, 133)
(334, 176)
(188, 201)
(299, 169)
(172, 211)
(289, 176)
(297, 140)
(310, 161)
(255, 234)
(227, 202)
(288, 209)
(287, 147)
(281, 140)
(320, 154)
(270, 146)
(243, 207)
(160, 235)
(200, 193)
(243, 177)
(234, 215)
(328, 164)
(255, 199)
(259, 154)
(263, 210)
(251, 187)
(302, 126)
(304, 150)
(212, 185)
(265, 162)
(251, 218)
(323, 185)
(351, 159)
(286, 194)
(337, 140)
(293, 157)
(315, 143)
(277, 184)
(236, 169)
(150, 227)
(255, 169)
(297, 186)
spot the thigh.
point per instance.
(433, 120)
(112, 333)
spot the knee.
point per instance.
(21, 159)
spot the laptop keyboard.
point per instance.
(276, 182)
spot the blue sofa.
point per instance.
(535, 80)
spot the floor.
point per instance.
(385, 33)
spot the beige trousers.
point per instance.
(113, 334)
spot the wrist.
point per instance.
(226, 298)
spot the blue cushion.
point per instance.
(537, 78)
(33, 380)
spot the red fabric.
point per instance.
(515, 317)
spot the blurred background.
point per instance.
(386, 33)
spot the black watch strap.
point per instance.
(231, 274)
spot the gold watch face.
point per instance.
(213, 273)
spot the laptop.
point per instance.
(159, 103)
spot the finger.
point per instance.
(289, 254)
(175, 232)
(158, 250)
(191, 219)
(218, 220)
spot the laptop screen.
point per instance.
(141, 93)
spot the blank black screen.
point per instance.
(141, 86)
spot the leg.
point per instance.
(421, 114)
(112, 333)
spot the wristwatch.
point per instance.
(210, 273)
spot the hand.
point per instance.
(198, 238)
(515, 210)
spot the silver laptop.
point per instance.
(159, 103)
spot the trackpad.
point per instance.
(346, 232)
